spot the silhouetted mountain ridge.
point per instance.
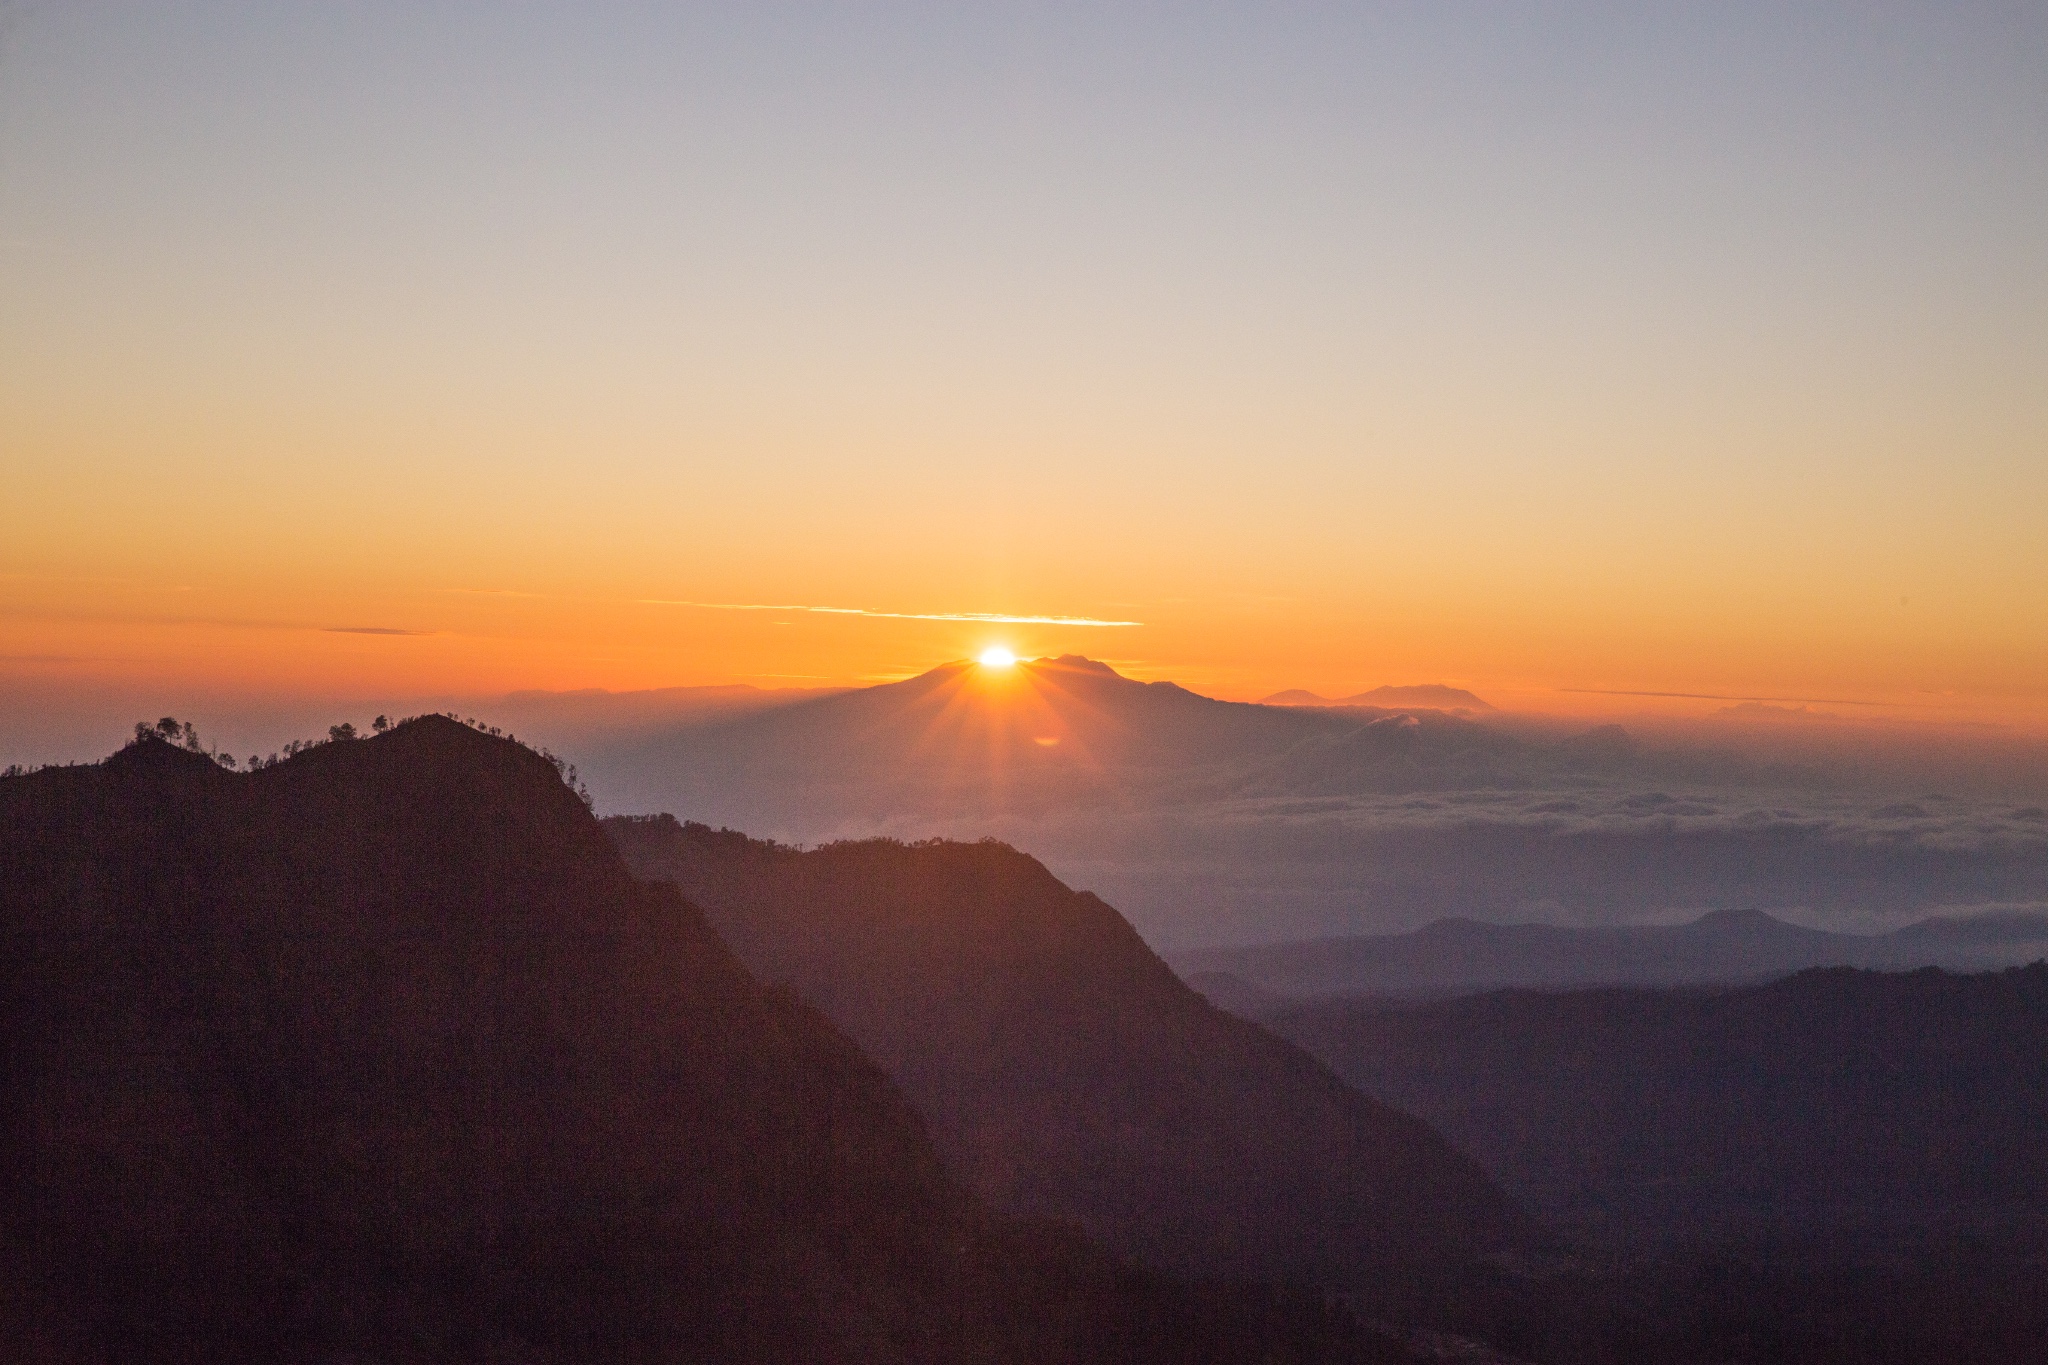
(1065, 1071)
(381, 1053)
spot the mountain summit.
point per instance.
(1038, 735)
(383, 1044)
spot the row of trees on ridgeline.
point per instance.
(182, 734)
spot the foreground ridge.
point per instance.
(1065, 1071)
(380, 1051)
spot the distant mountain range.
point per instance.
(1050, 734)
(1065, 1072)
(1454, 956)
(1044, 732)
(1433, 695)
(1210, 822)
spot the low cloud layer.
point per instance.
(1276, 869)
(1210, 823)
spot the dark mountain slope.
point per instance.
(382, 1054)
(1859, 1109)
(1065, 1070)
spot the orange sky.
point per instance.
(1689, 356)
(290, 637)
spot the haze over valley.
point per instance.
(1213, 823)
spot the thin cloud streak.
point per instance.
(983, 617)
(1723, 696)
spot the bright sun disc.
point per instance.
(995, 656)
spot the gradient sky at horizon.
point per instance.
(404, 349)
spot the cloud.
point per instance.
(1272, 870)
(979, 617)
(976, 617)
(371, 630)
(1722, 696)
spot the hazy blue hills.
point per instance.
(1840, 1166)
(1852, 1112)
(1453, 956)
(1064, 1071)
(381, 1053)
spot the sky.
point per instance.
(1552, 350)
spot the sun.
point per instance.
(995, 656)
